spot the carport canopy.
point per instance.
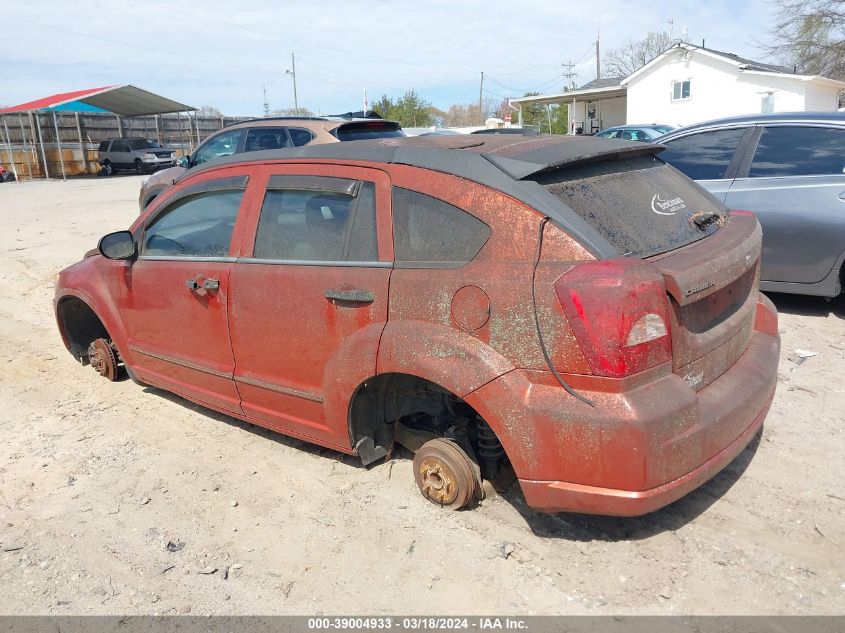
(124, 100)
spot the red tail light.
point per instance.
(619, 313)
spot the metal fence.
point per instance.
(37, 145)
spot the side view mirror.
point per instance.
(118, 245)
(184, 162)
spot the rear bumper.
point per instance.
(681, 439)
(649, 440)
(561, 496)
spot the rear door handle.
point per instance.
(350, 296)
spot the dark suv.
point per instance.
(789, 169)
(273, 133)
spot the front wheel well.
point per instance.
(80, 326)
(410, 411)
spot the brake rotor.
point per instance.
(103, 359)
(444, 474)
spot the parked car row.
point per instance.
(272, 133)
(574, 313)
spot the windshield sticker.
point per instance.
(667, 207)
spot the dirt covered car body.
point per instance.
(571, 309)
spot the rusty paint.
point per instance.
(271, 324)
(470, 308)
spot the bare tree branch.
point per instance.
(810, 35)
(635, 54)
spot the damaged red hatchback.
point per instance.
(568, 310)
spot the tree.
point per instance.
(537, 115)
(621, 62)
(463, 115)
(209, 111)
(810, 34)
(410, 109)
(292, 112)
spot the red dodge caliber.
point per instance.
(567, 311)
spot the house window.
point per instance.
(680, 90)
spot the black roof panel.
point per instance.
(501, 162)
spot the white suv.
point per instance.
(138, 154)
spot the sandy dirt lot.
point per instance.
(96, 479)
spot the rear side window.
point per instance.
(799, 151)
(120, 146)
(196, 226)
(300, 136)
(317, 226)
(262, 138)
(104, 146)
(427, 230)
(703, 156)
(641, 206)
(367, 129)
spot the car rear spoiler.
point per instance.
(582, 151)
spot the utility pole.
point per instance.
(598, 60)
(480, 108)
(570, 75)
(292, 73)
(266, 105)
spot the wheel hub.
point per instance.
(103, 359)
(438, 482)
(444, 474)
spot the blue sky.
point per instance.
(222, 53)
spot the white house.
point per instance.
(687, 84)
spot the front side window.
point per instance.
(799, 151)
(428, 230)
(195, 226)
(221, 145)
(703, 156)
(263, 138)
(317, 226)
(680, 90)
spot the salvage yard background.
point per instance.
(120, 499)
(80, 134)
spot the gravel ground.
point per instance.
(121, 499)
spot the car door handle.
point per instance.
(350, 296)
(842, 196)
(201, 283)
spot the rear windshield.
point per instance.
(642, 206)
(368, 129)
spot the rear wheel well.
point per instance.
(80, 326)
(410, 411)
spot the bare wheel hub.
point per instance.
(445, 475)
(103, 359)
